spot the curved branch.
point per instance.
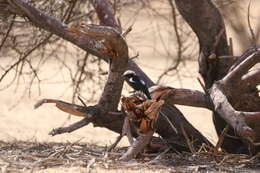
(104, 13)
(251, 79)
(235, 75)
(181, 96)
(235, 118)
(108, 19)
(206, 21)
(118, 50)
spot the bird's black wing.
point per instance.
(146, 92)
(139, 85)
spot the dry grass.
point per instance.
(30, 157)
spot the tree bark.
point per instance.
(206, 21)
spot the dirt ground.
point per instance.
(75, 157)
(25, 145)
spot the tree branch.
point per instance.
(105, 15)
(235, 118)
(181, 96)
(85, 121)
(236, 73)
(52, 25)
(137, 146)
(251, 79)
(108, 19)
(206, 21)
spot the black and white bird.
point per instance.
(136, 83)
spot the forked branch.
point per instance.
(241, 69)
(251, 79)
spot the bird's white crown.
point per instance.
(128, 72)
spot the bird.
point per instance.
(136, 83)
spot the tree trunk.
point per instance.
(206, 21)
(228, 84)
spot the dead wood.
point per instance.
(181, 96)
(113, 50)
(223, 99)
(141, 141)
(222, 77)
(143, 115)
(206, 21)
(251, 79)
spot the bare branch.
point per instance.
(46, 22)
(179, 42)
(237, 72)
(207, 23)
(7, 33)
(109, 20)
(137, 146)
(85, 121)
(105, 15)
(249, 24)
(181, 96)
(235, 118)
(23, 58)
(251, 79)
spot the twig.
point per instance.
(136, 56)
(187, 139)
(80, 99)
(159, 156)
(111, 147)
(69, 11)
(249, 60)
(79, 80)
(127, 131)
(249, 24)
(37, 163)
(90, 164)
(129, 29)
(220, 139)
(85, 121)
(7, 33)
(179, 43)
(202, 85)
(231, 50)
(137, 146)
(167, 119)
(218, 38)
(25, 56)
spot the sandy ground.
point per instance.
(19, 121)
